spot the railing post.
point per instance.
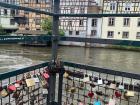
(60, 87)
(55, 29)
(55, 33)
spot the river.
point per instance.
(15, 56)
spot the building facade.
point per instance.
(80, 26)
(29, 21)
(122, 28)
(125, 28)
(7, 20)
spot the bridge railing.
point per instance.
(46, 38)
(15, 91)
(75, 84)
(85, 84)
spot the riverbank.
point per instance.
(105, 46)
(119, 47)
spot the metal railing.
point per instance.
(44, 39)
(74, 84)
(84, 84)
(15, 92)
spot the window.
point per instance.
(6, 1)
(125, 35)
(5, 11)
(126, 22)
(70, 32)
(38, 29)
(138, 35)
(13, 12)
(71, 10)
(110, 34)
(27, 28)
(26, 12)
(127, 6)
(81, 22)
(13, 2)
(94, 22)
(38, 21)
(37, 13)
(69, 23)
(37, 1)
(47, 0)
(138, 22)
(111, 21)
(93, 32)
(82, 10)
(26, 1)
(77, 32)
(112, 6)
(16, 12)
(12, 22)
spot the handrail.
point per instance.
(102, 70)
(16, 39)
(23, 70)
(71, 64)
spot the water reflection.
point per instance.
(107, 58)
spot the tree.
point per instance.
(2, 32)
(47, 26)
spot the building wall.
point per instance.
(97, 28)
(119, 28)
(32, 18)
(7, 19)
(5, 22)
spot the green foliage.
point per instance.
(61, 32)
(2, 32)
(47, 26)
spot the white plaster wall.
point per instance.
(132, 29)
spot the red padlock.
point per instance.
(91, 94)
(117, 94)
(11, 88)
(46, 75)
